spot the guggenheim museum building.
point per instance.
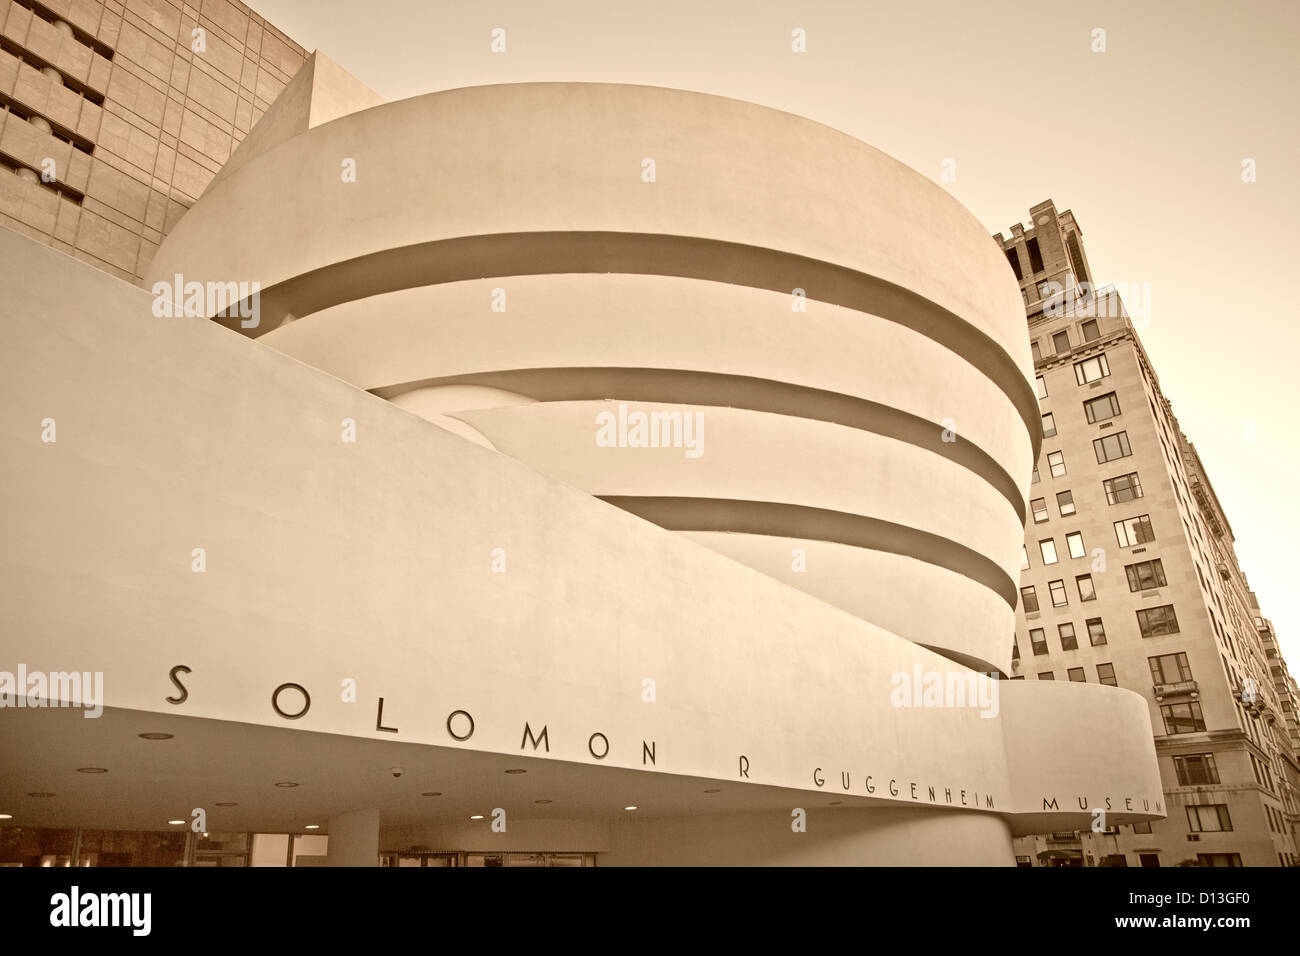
(542, 473)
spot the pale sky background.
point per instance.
(1143, 142)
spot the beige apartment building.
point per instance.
(1129, 578)
(1283, 682)
(116, 114)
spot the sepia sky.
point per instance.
(1144, 142)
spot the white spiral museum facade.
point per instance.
(880, 418)
(529, 268)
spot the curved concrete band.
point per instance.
(581, 252)
(594, 324)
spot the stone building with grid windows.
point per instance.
(1129, 578)
(116, 114)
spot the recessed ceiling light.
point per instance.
(542, 801)
(156, 736)
(835, 803)
(226, 804)
(176, 823)
(629, 808)
(477, 816)
(92, 770)
(517, 770)
(312, 826)
(6, 816)
(287, 784)
(714, 790)
(432, 793)
(40, 793)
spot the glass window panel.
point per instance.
(1074, 540)
(1029, 598)
(1068, 640)
(1096, 632)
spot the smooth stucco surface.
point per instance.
(372, 560)
(523, 261)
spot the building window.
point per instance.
(1096, 632)
(1155, 621)
(1091, 370)
(1145, 575)
(1106, 675)
(1183, 718)
(1091, 331)
(1046, 675)
(1037, 352)
(1219, 859)
(1134, 531)
(1015, 650)
(1196, 769)
(1049, 425)
(1068, 641)
(1142, 828)
(1035, 256)
(1061, 341)
(1042, 387)
(1087, 591)
(1065, 503)
(1122, 488)
(1076, 674)
(1111, 447)
(1074, 541)
(1015, 263)
(1057, 588)
(1029, 598)
(1169, 668)
(1024, 558)
(1039, 507)
(1038, 641)
(1101, 408)
(1048, 549)
(1209, 818)
(1035, 478)
(1056, 462)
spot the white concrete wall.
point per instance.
(908, 322)
(371, 560)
